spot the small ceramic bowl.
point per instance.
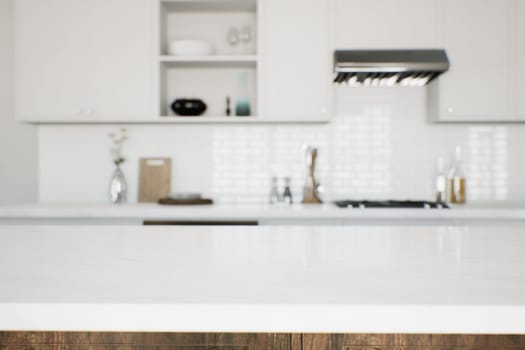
(188, 107)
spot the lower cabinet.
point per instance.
(255, 341)
(146, 341)
(412, 342)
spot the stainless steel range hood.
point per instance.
(388, 67)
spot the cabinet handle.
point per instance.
(324, 110)
(450, 110)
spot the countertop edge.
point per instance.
(298, 212)
(472, 319)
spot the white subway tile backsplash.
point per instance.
(487, 163)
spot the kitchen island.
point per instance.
(363, 279)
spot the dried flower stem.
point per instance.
(118, 142)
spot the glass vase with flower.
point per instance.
(118, 186)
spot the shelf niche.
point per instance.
(210, 78)
(210, 83)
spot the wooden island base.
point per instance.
(255, 341)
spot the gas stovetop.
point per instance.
(390, 204)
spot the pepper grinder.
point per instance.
(311, 186)
(228, 109)
(287, 194)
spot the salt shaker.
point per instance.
(275, 197)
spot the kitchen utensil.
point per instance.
(190, 47)
(188, 107)
(154, 179)
(311, 186)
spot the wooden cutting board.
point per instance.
(154, 179)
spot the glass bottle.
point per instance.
(456, 180)
(441, 181)
(233, 37)
(242, 105)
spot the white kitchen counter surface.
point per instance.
(314, 279)
(325, 212)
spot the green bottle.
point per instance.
(242, 105)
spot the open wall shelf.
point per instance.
(210, 83)
(211, 5)
(212, 59)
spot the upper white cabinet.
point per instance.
(295, 60)
(518, 63)
(82, 61)
(484, 42)
(476, 35)
(384, 24)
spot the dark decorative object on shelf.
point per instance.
(188, 107)
(228, 109)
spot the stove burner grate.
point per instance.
(390, 204)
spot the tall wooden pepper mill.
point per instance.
(311, 186)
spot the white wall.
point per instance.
(18, 143)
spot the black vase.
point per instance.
(188, 107)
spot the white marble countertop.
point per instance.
(326, 212)
(426, 279)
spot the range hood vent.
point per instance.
(388, 67)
